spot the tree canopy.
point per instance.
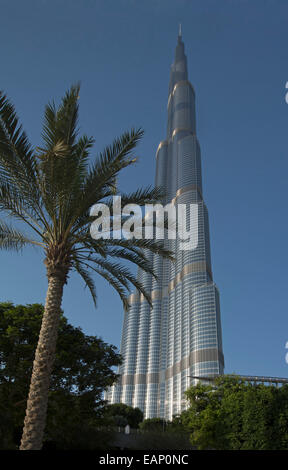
(82, 370)
(129, 415)
(231, 414)
(153, 424)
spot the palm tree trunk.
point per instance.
(36, 410)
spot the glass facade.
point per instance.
(180, 337)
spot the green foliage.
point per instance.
(156, 433)
(233, 415)
(153, 424)
(73, 423)
(128, 415)
(82, 370)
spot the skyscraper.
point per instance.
(180, 337)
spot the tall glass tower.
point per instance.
(164, 347)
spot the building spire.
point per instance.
(179, 66)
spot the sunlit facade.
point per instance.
(181, 336)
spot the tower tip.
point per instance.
(180, 31)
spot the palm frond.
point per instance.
(18, 165)
(136, 258)
(16, 205)
(114, 282)
(103, 247)
(13, 239)
(119, 272)
(136, 244)
(78, 171)
(87, 278)
(116, 285)
(60, 125)
(63, 160)
(101, 178)
(142, 196)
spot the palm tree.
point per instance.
(51, 189)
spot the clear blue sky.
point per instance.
(121, 51)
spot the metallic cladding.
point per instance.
(181, 336)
